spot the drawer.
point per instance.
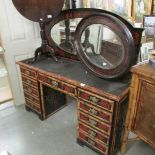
(97, 124)
(94, 133)
(29, 81)
(98, 113)
(32, 99)
(96, 100)
(34, 107)
(58, 85)
(28, 72)
(100, 147)
(30, 90)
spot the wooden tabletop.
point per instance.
(144, 69)
(77, 74)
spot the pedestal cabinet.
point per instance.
(141, 111)
(31, 89)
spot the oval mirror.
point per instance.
(102, 46)
(62, 34)
(105, 45)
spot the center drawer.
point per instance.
(58, 85)
(96, 112)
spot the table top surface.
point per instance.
(144, 69)
(76, 72)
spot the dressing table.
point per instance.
(101, 104)
(91, 64)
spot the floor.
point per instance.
(22, 133)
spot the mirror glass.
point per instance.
(63, 34)
(102, 46)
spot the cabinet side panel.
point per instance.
(145, 119)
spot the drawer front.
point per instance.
(32, 99)
(28, 72)
(100, 114)
(100, 147)
(97, 124)
(58, 85)
(30, 90)
(29, 81)
(94, 133)
(97, 100)
(31, 105)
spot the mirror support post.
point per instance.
(45, 49)
(73, 4)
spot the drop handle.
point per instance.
(94, 112)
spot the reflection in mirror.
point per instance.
(102, 46)
(63, 34)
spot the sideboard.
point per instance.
(101, 104)
(141, 110)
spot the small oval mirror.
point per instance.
(102, 46)
(63, 34)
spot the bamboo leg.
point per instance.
(130, 113)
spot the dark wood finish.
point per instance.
(122, 32)
(141, 114)
(82, 13)
(100, 103)
(40, 9)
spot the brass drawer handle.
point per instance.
(55, 83)
(27, 72)
(29, 90)
(29, 81)
(93, 111)
(94, 99)
(92, 122)
(92, 133)
(91, 142)
(105, 140)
